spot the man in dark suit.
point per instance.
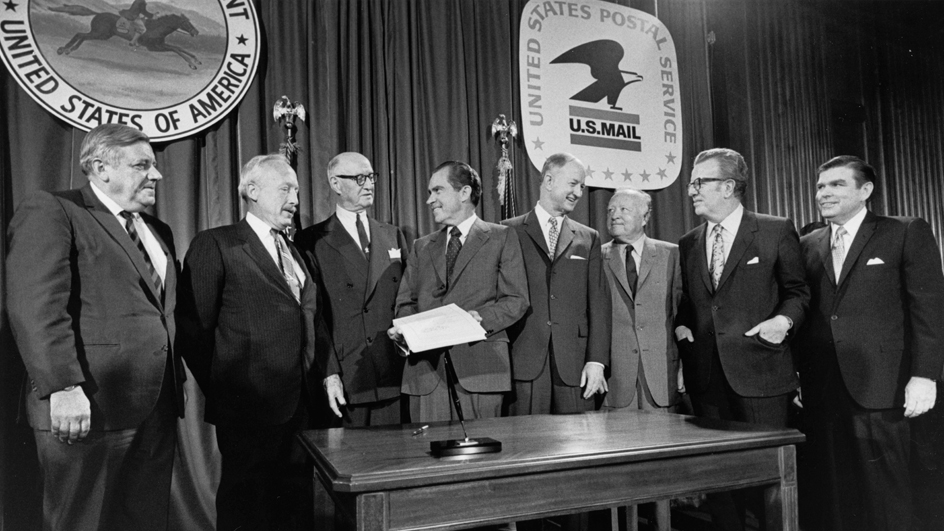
(743, 292)
(562, 346)
(356, 263)
(92, 283)
(248, 316)
(477, 266)
(873, 348)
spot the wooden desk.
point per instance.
(384, 478)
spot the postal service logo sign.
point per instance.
(600, 81)
(170, 68)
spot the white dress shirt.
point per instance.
(729, 229)
(543, 217)
(264, 232)
(348, 220)
(153, 248)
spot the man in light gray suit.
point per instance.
(645, 286)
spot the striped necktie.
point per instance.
(136, 239)
(286, 265)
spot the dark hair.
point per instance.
(862, 171)
(461, 174)
(732, 166)
(102, 143)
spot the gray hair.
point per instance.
(103, 142)
(252, 170)
(732, 166)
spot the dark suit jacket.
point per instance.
(488, 277)
(643, 325)
(762, 277)
(246, 339)
(883, 321)
(570, 292)
(83, 309)
(357, 299)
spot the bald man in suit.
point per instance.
(357, 264)
(477, 266)
(92, 293)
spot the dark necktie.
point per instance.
(362, 236)
(632, 276)
(452, 251)
(136, 239)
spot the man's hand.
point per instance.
(335, 390)
(70, 415)
(592, 378)
(773, 330)
(475, 315)
(397, 337)
(920, 395)
(683, 332)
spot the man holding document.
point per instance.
(476, 266)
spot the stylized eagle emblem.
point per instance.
(603, 57)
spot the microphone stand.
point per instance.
(466, 446)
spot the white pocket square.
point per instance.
(394, 254)
(875, 261)
(575, 257)
(755, 260)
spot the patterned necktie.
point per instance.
(362, 235)
(552, 237)
(452, 251)
(839, 250)
(631, 275)
(129, 226)
(286, 265)
(717, 256)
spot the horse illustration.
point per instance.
(103, 27)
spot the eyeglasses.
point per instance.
(699, 182)
(360, 179)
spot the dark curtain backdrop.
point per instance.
(411, 83)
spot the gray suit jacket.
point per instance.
(642, 325)
(489, 278)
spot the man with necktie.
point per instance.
(477, 266)
(357, 265)
(92, 290)
(743, 293)
(248, 319)
(561, 347)
(873, 348)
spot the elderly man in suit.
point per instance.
(356, 263)
(645, 287)
(743, 293)
(249, 317)
(477, 266)
(562, 346)
(873, 348)
(92, 283)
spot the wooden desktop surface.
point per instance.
(549, 464)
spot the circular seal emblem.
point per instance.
(170, 68)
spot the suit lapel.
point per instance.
(862, 237)
(170, 271)
(743, 238)
(257, 252)
(565, 239)
(824, 252)
(614, 260)
(647, 258)
(701, 256)
(533, 228)
(473, 242)
(113, 227)
(380, 246)
(338, 238)
(437, 253)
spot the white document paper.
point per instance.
(443, 327)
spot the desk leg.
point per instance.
(372, 512)
(781, 498)
(663, 516)
(631, 518)
(324, 505)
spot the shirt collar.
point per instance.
(348, 216)
(261, 228)
(851, 226)
(466, 225)
(543, 215)
(638, 245)
(109, 203)
(730, 223)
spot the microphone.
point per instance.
(466, 446)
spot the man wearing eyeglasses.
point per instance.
(743, 294)
(356, 262)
